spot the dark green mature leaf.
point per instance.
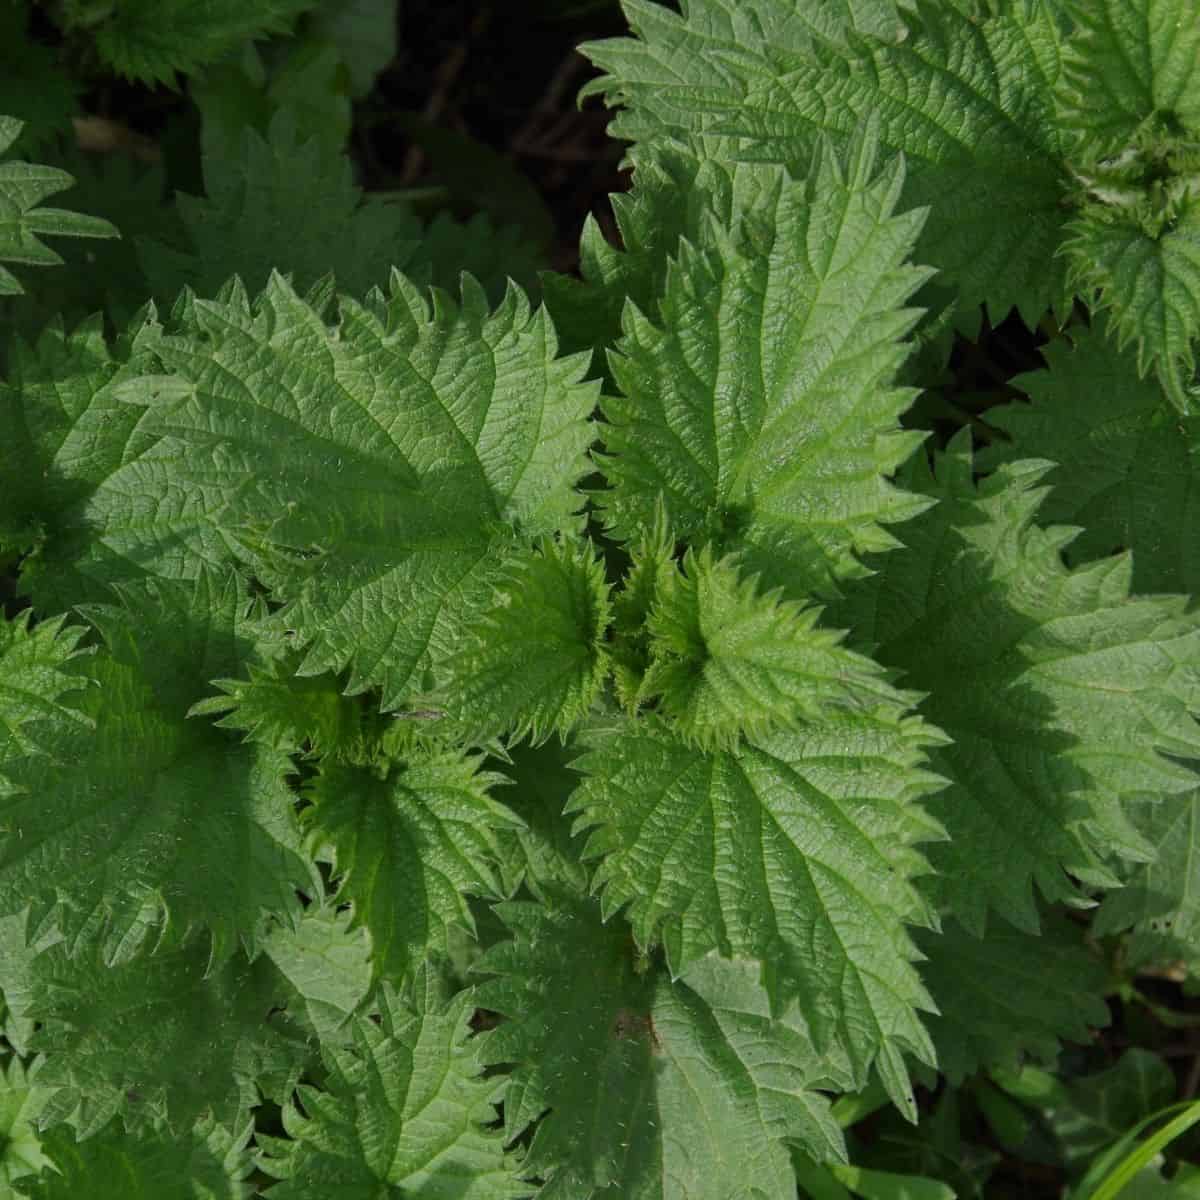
(1131, 69)
(966, 96)
(757, 406)
(207, 1163)
(409, 841)
(1160, 902)
(23, 187)
(1128, 466)
(1010, 995)
(35, 683)
(1062, 694)
(254, 219)
(142, 826)
(656, 1089)
(149, 40)
(136, 1039)
(796, 849)
(373, 474)
(404, 1114)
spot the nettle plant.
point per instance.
(561, 749)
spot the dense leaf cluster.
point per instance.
(533, 771)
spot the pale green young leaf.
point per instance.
(1062, 695)
(727, 660)
(150, 40)
(205, 1163)
(145, 827)
(404, 1113)
(22, 1098)
(966, 96)
(91, 490)
(374, 473)
(1131, 68)
(1010, 996)
(537, 660)
(758, 406)
(408, 841)
(1160, 900)
(23, 187)
(135, 1041)
(327, 965)
(796, 849)
(684, 1090)
(1146, 273)
(38, 687)
(1127, 465)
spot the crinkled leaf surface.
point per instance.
(85, 488)
(23, 187)
(1127, 466)
(136, 1040)
(727, 659)
(37, 687)
(796, 849)
(967, 97)
(649, 1088)
(1147, 276)
(327, 963)
(404, 1113)
(1010, 995)
(146, 826)
(1160, 902)
(1131, 67)
(1060, 692)
(758, 407)
(374, 472)
(207, 1163)
(536, 663)
(22, 1099)
(409, 841)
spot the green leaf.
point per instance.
(1146, 272)
(1062, 695)
(22, 1098)
(91, 492)
(137, 1040)
(1130, 69)
(207, 1163)
(727, 660)
(796, 850)
(1160, 899)
(23, 186)
(1010, 995)
(654, 1088)
(408, 842)
(759, 409)
(327, 965)
(35, 681)
(966, 96)
(149, 40)
(537, 662)
(373, 473)
(404, 1114)
(364, 32)
(144, 827)
(1128, 466)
